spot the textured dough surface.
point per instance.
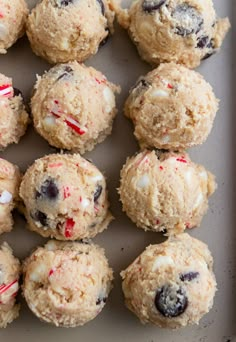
(65, 197)
(165, 191)
(9, 277)
(67, 283)
(12, 22)
(9, 186)
(171, 107)
(171, 284)
(74, 107)
(181, 31)
(14, 118)
(62, 31)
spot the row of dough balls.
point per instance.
(65, 197)
(183, 31)
(67, 284)
(73, 108)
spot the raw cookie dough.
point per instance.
(14, 118)
(65, 197)
(74, 106)
(172, 107)
(9, 277)
(181, 31)
(171, 284)
(62, 31)
(13, 15)
(67, 283)
(165, 191)
(9, 186)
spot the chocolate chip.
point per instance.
(101, 300)
(188, 20)
(48, 190)
(141, 85)
(67, 72)
(211, 46)
(202, 42)
(171, 301)
(39, 216)
(97, 193)
(17, 92)
(104, 41)
(189, 276)
(65, 3)
(102, 6)
(150, 6)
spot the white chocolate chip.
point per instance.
(97, 178)
(5, 197)
(85, 203)
(165, 139)
(49, 121)
(143, 182)
(109, 98)
(3, 32)
(203, 175)
(162, 260)
(38, 273)
(199, 200)
(188, 175)
(50, 246)
(159, 93)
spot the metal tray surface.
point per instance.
(119, 61)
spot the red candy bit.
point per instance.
(4, 288)
(72, 123)
(181, 160)
(100, 81)
(66, 191)
(144, 159)
(6, 90)
(96, 209)
(157, 221)
(161, 168)
(188, 225)
(69, 225)
(75, 126)
(52, 165)
(51, 272)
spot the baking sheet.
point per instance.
(119, 61)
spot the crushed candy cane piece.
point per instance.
(6, 90)
(66, 192)
(13, 285)
(52, 165)
(69, 225)
(181, 160)
(5, 197)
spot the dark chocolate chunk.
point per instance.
(48, 190)
(185, 14)
(102, 6)
(101, 300)
(39, 216)
(97, 193)
(150, 6)
(202, 42)
(189, 276)
(141, 85)
(67, 72)
(65, 3)
(171, 301)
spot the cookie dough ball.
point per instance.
(67, 283)
(9, 278)
(9, 186)
(181, 31)
(14, 118)
(165, 191)
(61, 31)
(171, 285)
(172, 107)
(74, 106)
(13, 15)
(65, 197)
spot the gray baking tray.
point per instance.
(119, 60)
